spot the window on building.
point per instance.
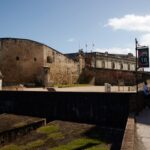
(17, 58)
(35, 59)
(113, 65)
(103, 64)
(53, 56)
(121, 66)
(49, 59)
(128, 66)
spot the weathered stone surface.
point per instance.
(24, 62)
(15, 126)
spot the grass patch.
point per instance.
(83, 143)
(48, 129)
(56, 136)
(51, 131)
(10, 147)
(33, 145)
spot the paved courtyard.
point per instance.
(89, 88)
(97, 89)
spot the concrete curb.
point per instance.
(129, 134)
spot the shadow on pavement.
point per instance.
(144, 116)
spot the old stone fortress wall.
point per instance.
(24, 61)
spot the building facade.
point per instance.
(106, 60)
(28, 62)
(100, 68)
(114, 61)
(24, 61)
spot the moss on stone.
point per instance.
(48, 129)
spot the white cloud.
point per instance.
(145, 39)
(71, 40)
(131, 22)
(116, 50)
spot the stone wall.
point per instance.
(62, 70)
(28, 62)
(113, 77)
(20, 60)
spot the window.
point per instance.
(128, 66)
(121, 66)
(53, 56)
(49, 59)
(113, 65)
(103, 64)
(35, 59)
(17, 58)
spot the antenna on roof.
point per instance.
(92, 47)
(86, 47)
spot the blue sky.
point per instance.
(67, 25)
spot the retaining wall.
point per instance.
(106, 109)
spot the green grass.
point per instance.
(85, 143)
(52, 132)
(48, 129)
(56, 136)
(52, 136)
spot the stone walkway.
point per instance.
(142, 133)
(96, 89)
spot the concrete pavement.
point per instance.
(96, 89)
(142, 133)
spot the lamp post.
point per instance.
(136, 80)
